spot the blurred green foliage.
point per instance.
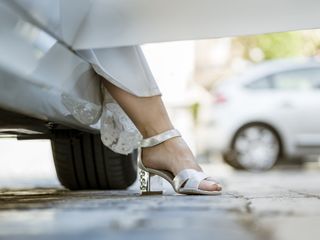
(194, 108)
(280, 45)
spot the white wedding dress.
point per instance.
(125, 67)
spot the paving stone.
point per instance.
(292, 228)
(286, 206)
(274, 205)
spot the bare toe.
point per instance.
(209, 186)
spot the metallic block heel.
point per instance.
(144, 179)
(145, 183)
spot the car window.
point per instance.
(302, 79)
(262, 83)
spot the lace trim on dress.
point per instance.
(85, 112)
(116, 129)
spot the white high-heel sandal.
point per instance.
(185, 182)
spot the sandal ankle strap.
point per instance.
(160, 138)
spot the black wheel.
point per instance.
(255, 147)
(83, 162)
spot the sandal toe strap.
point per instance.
(189, 179)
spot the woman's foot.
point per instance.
(151, 118)
(174, 155)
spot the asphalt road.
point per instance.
(280, 204)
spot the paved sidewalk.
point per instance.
(281, 204)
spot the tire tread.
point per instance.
(83, 162)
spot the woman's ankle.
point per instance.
(149, 131)
(172, 155)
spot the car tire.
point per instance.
(255, 147)
(83, 162)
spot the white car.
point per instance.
(269, 112)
